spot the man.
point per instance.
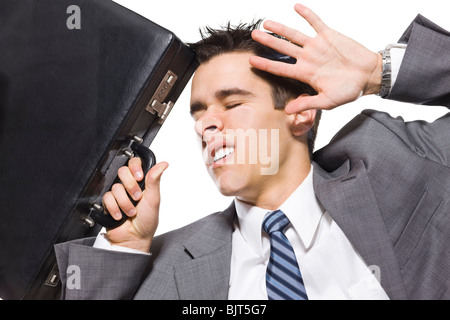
(374, 200)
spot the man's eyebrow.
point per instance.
(196, 106)
(224, 93)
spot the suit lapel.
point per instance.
(207, 274)
(348, 197)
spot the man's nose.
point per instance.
(208, 126)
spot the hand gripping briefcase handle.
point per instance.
(99, 214)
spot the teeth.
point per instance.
(222, 153)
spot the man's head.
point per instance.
(234, 104)
(238, 39)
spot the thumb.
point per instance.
(306, 102)
(153, 176)
(151, 194)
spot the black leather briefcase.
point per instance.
(84, 85)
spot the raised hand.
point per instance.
(337, 67)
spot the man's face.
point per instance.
(243, 137)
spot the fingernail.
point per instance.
(138, 175)
(132, 212)
(137, 195)
(118, 215)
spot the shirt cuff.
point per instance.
(396, 60)
(101, 242)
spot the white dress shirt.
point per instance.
(330, 266)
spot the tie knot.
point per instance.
(275, 221)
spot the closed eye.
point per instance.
(232, 106)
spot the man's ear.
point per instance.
(302, 122)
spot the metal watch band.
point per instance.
(386, 74)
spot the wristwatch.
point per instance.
(386, 75)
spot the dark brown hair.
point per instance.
(238, 39)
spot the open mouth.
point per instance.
(218, 151)
(218, 156)
(223, 152)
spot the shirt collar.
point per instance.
(302, 208)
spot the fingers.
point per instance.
(117, 199)
(275, 67)
(138, 232)
(312, 18)
(135, 166)
(306, 102)
(290, 34)
(111, 206)
(277, 44)
(291, 48)
(122, 199)
(130, 183)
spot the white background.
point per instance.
(187, 191)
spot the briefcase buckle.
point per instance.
(157, 104)
(162, 109)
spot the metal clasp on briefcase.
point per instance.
(157, 104)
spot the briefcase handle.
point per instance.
(100, 215)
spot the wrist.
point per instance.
(375, 78)
(142, 245)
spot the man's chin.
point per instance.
(227, 186)
(228, 192)
(230, 180)
(226, 189)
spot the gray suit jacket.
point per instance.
(385, 182)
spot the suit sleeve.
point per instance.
(89, 273)
(424, 74)
(423, 78)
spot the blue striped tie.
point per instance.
(283, 278)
